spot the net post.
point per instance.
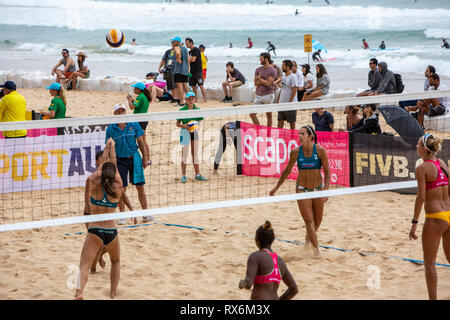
(350, 159)
(238, 150)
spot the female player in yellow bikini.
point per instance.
(432, 189)
(310, 158)
(102, 195)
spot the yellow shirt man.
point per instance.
(13, 108)
(204, 60)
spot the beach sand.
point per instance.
(162, 261)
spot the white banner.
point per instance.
(48, 162)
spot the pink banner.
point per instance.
(265, 152)
(33, 133)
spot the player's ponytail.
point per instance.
(108, 177)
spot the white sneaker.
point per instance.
(122, 221)
(148, 218)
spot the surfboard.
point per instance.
(326, 60)
(393, 49)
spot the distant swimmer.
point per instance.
(250, 43)
(327, 2)
(230, 45)
(382, 46)
(445, 44)
(317, 54)
(271, 47)
(296, 12)
(133, 43)
(365, 44)
(266, 269)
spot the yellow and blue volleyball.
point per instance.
(193, 125)
(115, 38)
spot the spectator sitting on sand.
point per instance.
(369, 123)
(352, 116)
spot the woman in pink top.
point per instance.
(156, 88)
(265, 269)
(433, 191)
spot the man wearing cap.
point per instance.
(13, 107)
(195, 60)
(181, 69)
(128, 139)
(69, 66)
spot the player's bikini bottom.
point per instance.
(309, 189)
(444, 215)
(107, 235)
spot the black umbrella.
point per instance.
(402, 122)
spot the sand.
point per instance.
(161, 261)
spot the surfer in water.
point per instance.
(317, 54)
(382, 46)
(271, 47)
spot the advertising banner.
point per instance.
(384, 159)
(265, 152)
(48, 161)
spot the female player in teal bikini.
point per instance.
(103, 192)
(310, 158)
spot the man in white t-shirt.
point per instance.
(299, 76)
(289, 88)
(435, 106)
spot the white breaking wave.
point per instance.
(437, 33)
(100, 15)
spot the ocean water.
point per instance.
(33, 32)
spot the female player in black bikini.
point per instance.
(310, 158)
(103, 192)
(433, 191)
(265, 269)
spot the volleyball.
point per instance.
(115, 38)
(193, 126)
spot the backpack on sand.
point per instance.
(399, 86)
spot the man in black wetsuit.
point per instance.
(317, 54)
(271, 48)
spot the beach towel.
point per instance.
(138, 170)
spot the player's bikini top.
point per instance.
(273, 276)
(104, 202)
(441, 180)
(312, 162)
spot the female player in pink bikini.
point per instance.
(265, 269)
(432, 189)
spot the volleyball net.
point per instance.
(42, 176)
